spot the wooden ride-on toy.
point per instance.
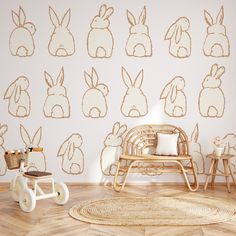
(25, 187)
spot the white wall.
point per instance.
(158, 69)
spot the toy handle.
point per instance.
(35, 149)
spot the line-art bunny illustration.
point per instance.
(21, 42)
(62, 43)
(216, 43)
(3, 166)
(57, 103)
(36, 161)
(179, 38)
(196, 152)
(72, 155)
(134, 103)
(174, 96)
(139, 43)
(230, 147)
(113, 149)
(100, 41)
(19, 104)
(230, 143)
(94, 102)
(211, 100)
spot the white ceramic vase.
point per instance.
(218, 151)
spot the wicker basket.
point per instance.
(13, 158)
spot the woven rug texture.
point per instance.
(154, 211)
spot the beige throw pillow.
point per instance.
(167, 144)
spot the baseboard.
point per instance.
(3, 184)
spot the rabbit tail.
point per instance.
(57, 111)
(139, 50)
(217, 50)
(101, 52)
(183, 52)
(112, 170)
(22, 111)
(134, 113)
(61, 52)
(75, 169)
(178, 111)
(95, 112)
(22, 51)
(212, 111)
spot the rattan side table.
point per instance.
(213, 170)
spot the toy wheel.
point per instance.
(27, 200)
(20, 184)
(63, 194)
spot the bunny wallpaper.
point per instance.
(77, 75)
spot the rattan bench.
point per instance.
(137, 159)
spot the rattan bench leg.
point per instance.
(119, 186)
(196, 184)
(195, 176)
(116, 185)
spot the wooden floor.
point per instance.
(50, 219)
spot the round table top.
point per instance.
(223, 156)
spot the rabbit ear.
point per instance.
(10, 91)
(88, 79)
(60, 78)
(63, 148)
(170, 32)
(126, 78)
(214, 69)
(195, 134)
(53, 17)
(166, 90)
(139, 80)
(66, 18)
(94, 78)
(220, 16)
(3, 129)
(173, 95)
(142, 17)
(122, 130)
(208, 18)
(17, 93)
(71, 149)
(131, 18)
(15, 18)
(80, 140)
(116, 128)
(178, 33)
(22, 16)
(108, 13)
(48, 79)
(220, 72)
(25, 136)
(37, 137)
(102, 10)
(227, 149)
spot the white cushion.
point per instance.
(167, 144)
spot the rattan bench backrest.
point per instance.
(142, 137)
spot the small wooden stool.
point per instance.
(213, 169)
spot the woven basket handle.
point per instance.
(35, 149)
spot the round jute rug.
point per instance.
(146, 211)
